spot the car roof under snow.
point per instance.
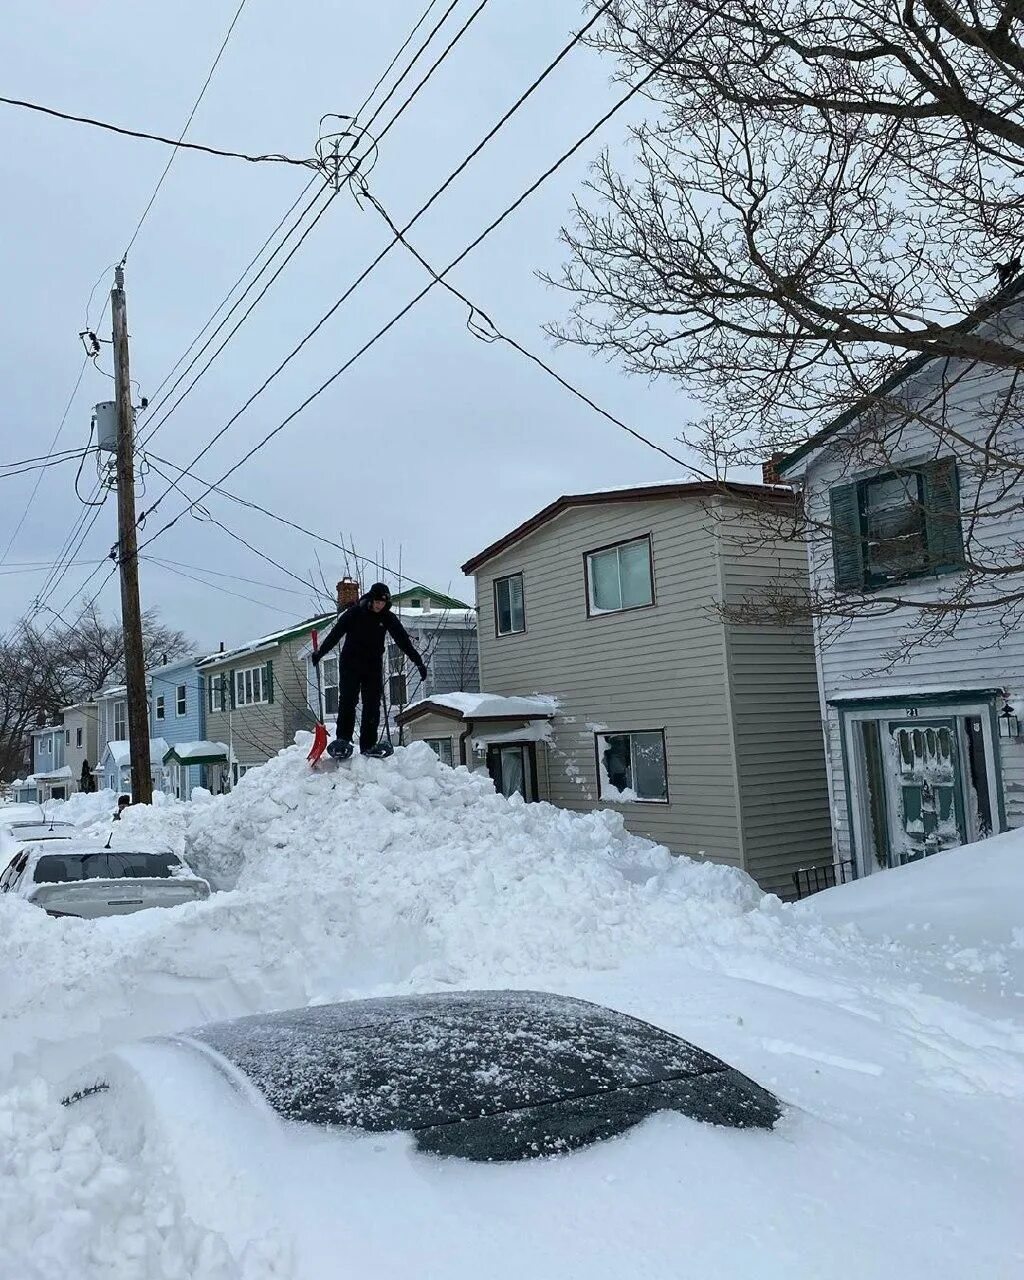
(486, 1075)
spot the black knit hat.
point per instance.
(380, 591)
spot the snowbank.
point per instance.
(964, 905)
(341, 880)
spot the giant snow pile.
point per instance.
(342, 882)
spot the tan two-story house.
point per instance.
(258, 697)
(703, 732)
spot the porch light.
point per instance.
(1009, 722)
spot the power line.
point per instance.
(492, 226)
(248, 312)
(237, 595)
(282, 520)
(452, 43)
(532, 88)
(456, 38)
(387, 70)
(232, 577)
(156, 137)
(496, 335)
(415, 58)
(181, 136)
(252, 262)
(39, 478)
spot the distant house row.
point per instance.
(214, 716)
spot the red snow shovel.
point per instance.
(320, 732)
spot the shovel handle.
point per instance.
(319, 685)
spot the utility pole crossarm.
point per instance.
(128, 559)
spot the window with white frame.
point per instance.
(181, 700)
(509, 605)
(120, 721)
(161, 709)
(67, 737)
(251, 686)
(216, 687)
(620, 577)
(329, 684)
(442, 748)
(632, 766)
(78, 737)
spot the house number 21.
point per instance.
(911, 713)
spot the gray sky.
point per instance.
(435, 443)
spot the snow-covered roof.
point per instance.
(434, 617)
(113, 691)
(485, 706)
(197, 752)
(266, 642)
(54, 775)
(120, 751)
(908, 693)
(47, 728)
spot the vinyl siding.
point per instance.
(783, 788)
(662, 667)
(84, 718)
(978, 654)
(435, 726)
(191, 727)
(254, 734)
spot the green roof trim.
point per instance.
(435, 597)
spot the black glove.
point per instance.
(421, 667)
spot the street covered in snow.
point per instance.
(886, 1015)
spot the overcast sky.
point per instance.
(435, 443)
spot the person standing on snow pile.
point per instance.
(365, 627)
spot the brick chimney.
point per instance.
(348, 592)
(770, 469)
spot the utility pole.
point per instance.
(128, 558)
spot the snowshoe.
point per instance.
(339, 750)
(381, 751)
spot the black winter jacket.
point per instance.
(365, 632)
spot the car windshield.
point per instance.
(485, 1075)
(105, 864)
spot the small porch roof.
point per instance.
(197, 753)
(482, 706)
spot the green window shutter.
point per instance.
(943, 530)
(269, 681)
(847, 542)
(231, 684)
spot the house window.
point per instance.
(67, 737)
(181, 700)
(216, 691)
(251, 686)
(78, 737)
(442, 748)
(509, 607)
(620, 577)
(897, 525)
(160, 708)
(631, 766)
(120, 721)
(329, 682)
(398, 693)
(396, 660)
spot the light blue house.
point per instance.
(51, 777)
(177, 716)
(113, 772)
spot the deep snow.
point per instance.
(887, 1014)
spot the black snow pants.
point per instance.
(356, 683)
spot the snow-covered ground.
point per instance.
(888, 1015)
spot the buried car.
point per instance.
(408, 1134)
(87, 879)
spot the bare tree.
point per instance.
(826, 199)
(46, 668)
